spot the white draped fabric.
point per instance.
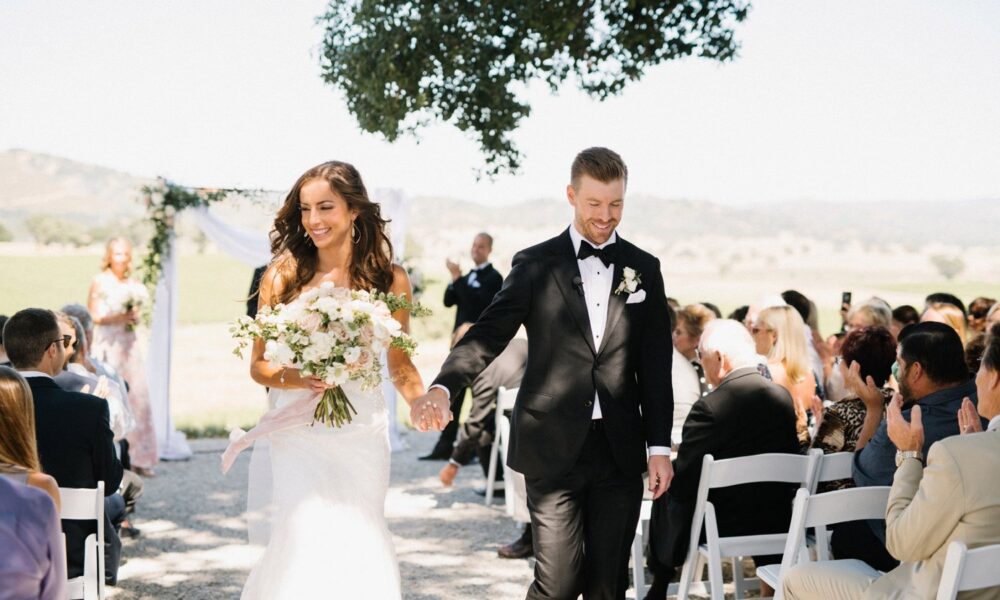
(253, 249)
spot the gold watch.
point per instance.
(902, 455)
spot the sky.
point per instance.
(842, 100)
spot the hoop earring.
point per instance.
(355, 232)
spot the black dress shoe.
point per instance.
(520, 549)
(437, 454)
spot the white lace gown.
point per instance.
(328, 535)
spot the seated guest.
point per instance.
(978, 310)
(901, 317)
(743, 415)
(777, 334)
(687, 374)
(18, 449)
(77, 378)
(867, 357)
(993, 316)
(945, 297)
(953, 498)
(91, 362)
(32, 564)
(73, 431)
(873, 312)
(933, 376)
(4, 362)
(949, 314)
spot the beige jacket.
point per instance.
(956, 497)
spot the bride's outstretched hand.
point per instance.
(431, 411)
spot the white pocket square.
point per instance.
(636, 297)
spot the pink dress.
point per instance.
(117, 346)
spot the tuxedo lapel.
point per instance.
(616, 303)
(566, 271)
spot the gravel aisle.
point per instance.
(193, 534)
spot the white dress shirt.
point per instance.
(27, 374)
(598, 280)
(473, 279)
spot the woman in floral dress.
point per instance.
(113, 302)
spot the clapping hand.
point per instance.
(905, 436)
(101, 388)
(453, 269)
(431, 411)
(968, 418)
(816, 406)
(864, 389)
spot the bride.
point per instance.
(328, 535)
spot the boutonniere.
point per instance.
(630, 281)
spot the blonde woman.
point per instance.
(777, 332)
(18, 450)
(950, 315)
(115, 343)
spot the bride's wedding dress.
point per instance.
(327, 536)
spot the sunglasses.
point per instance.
(66, 339)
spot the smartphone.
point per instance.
(845, 299)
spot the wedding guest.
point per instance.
(74, 437)
(92, 363)
(470, 294)
(743, 415)
(933, 376)
(687, 375)
(950, 315)
(946, 298)
(819, 354)
(929, 507)
(115, 342)
(873, 312)
(75, 377)
(777, 334)
(253, 295)
(867, 356)
(901, 317)
(974, 350)
(978, 310)
(754, 309)
(18, 448)
(32, 564)
(993, 316)
(673, 303)
(3, 354)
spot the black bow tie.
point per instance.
(607, 254)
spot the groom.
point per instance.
(596, 391)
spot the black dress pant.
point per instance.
(583, 524)
(855, 539)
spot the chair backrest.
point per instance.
(506, 398)
(759, 468)
(831, 467)
(84, 505)
(966, 569)
(818, 510)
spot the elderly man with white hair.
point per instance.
(745, 414)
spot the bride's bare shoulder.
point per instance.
(276, 278)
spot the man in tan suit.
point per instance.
(956, 497)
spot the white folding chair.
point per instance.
(638, 546)
(86, 505)
(760, 468)
(966, 569)
(818, 510)
(505, 401)
(832, 467)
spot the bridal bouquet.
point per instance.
(126, 298)
(334, 334)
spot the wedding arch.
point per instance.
(164, 201)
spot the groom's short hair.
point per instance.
(602, 164)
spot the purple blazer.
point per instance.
(33, 561)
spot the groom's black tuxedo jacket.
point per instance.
(630, 369)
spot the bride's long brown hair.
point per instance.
(296, 258)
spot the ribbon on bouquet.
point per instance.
(298, 412)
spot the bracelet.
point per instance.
(281, 377)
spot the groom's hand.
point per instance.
(660, 474)
(431, 411)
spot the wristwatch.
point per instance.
(902, 455)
